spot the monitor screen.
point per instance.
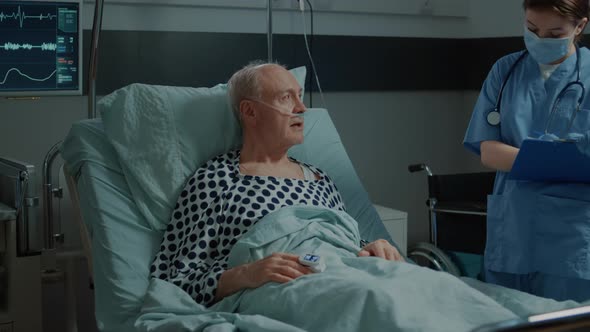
(40, 48)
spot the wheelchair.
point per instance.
(457, 205)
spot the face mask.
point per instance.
(546, 50)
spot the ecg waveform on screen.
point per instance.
(21, 16)
(25, 75)
(16, 47)
(40, 47)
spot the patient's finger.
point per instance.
(289, 272)
(280, 278)
(287, 256)
(291, 259)
(398, 255)
(390, 254)
(284, 258)
(378, 251)
(297, 266)
(364, 253)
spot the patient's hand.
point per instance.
(278, 267)
(383, 249)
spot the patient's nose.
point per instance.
(299, 106)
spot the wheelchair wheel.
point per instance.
(427, 255)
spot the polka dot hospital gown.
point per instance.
(219, 205)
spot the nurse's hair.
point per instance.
(245, 84)
(575, 10)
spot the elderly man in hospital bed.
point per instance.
(245, 221)
(226, 197)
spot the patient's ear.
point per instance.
(247, 111)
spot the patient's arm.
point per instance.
(497, 155)
(199, 280)
(278, 267)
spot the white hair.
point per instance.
(244, 84)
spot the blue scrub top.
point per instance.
(534, 226)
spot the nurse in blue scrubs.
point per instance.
(538, 234)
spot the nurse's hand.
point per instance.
(382, 249)
(278, 267)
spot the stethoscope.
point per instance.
(493, 117)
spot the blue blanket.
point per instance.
(352, 294)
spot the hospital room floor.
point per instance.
(54, 304)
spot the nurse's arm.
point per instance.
(498, 155)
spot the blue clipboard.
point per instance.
(548, 161)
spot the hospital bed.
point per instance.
(124, 233)
(125, 171)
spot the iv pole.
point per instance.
(93, 68)
(269, 30)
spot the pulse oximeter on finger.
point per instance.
(314, 262)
